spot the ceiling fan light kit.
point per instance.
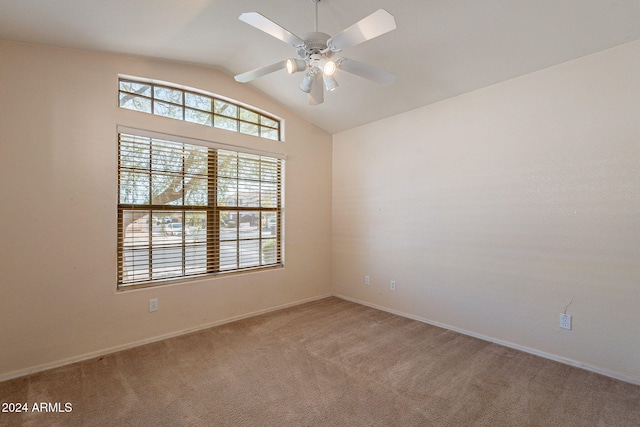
(307, 82)
(315, 52)
(329, 67)
(295, 65)
(330, 84)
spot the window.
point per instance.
(187, 209)
(197, 108)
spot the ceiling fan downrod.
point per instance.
(316, 23)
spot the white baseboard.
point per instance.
(535, 352)
(103, 352)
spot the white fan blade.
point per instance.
(259, 72)
(374, 25)
(316, 96)
(366, 71)
(268, 26)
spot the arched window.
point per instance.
(197, 107)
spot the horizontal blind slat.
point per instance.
(162, 241)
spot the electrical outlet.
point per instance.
(392, 285)
(153, 305)
(367, 280)
(565, 321)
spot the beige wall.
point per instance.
(496, 209)
(58, 118)
(492, 211)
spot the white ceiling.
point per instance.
(441, 48)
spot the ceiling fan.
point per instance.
(316, 52)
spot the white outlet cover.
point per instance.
(565, 321)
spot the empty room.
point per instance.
(320, 213)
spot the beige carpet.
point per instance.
(325, 363)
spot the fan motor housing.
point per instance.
(314, 43)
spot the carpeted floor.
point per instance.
(326, 363)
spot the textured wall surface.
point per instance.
(58, 167)
(495, 210)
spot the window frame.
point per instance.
(262, 122)
(212, 210)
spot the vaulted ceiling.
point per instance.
(440, 49)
